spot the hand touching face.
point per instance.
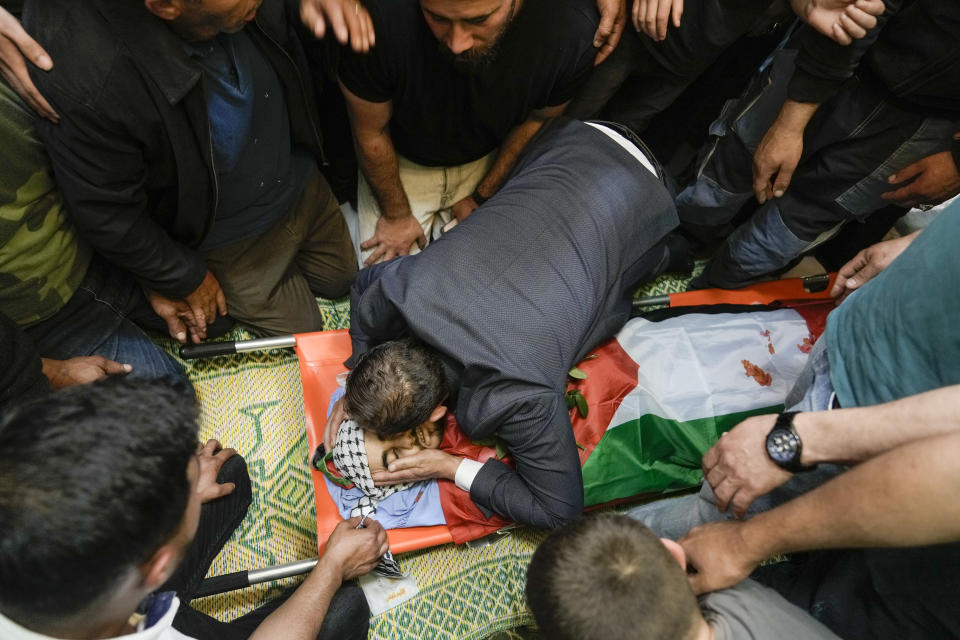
(381, 451)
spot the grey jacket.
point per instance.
(520, 292)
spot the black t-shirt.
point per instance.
(442, 117)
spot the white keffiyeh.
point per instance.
(350, 459)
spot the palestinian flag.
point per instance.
(654, 399)
(661, 393)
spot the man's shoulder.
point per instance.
(557, 34)
(562, 20)
(393, 20)
(75, 30)
(752, 610)
(85, 50)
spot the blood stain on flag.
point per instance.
(753, 371)
(807, 344)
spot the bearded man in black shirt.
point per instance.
(443, 104)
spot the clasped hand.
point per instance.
(423, 465)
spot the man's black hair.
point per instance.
(395, 386)
(608, 576)
(93, 480)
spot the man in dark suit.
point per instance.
(507, 302)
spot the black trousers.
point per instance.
(347, 617)
(875, 594)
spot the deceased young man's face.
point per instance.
(381, 451)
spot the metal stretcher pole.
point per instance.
(813, 287)
(650, 301)
(211, 349)
(242, 579)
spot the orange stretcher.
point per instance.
(321, 356)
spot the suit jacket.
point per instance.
(520, 292)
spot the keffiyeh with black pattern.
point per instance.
(350, 459)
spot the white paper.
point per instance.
(384, 594)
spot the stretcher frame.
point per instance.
(321, 355)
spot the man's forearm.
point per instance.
(905, 497)
(378, 161)
(301, 616)
(510, 150)
(857, 434)
(794, 116)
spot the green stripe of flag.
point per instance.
(653, 454)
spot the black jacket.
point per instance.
(132, 151)
(913, 54)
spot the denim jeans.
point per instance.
(675, 517)
(100, 320)
(854, 142)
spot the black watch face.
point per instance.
(782, 446)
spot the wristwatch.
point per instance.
(784, 445)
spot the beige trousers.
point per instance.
(431, 191)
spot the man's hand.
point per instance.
(867, 264)
(352, 552)
(423, 465)
(211, 457)
(930, 181)
(15, 48)
(464, 207)
(717, 556)
(393, 238)
(337, 415)
(205, 301)
(651, 16)
(177, 315)
(840, 20)
(738, 467)
(347, 18)
(775, 161)
(613, 17)
(778, 154)
(67, 373)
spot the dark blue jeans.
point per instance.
(854, 142)
(101, 319)
(874, 594)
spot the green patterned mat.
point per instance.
(254, 403)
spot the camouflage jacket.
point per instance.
(42, 261)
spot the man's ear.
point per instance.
(163, 9)
(438, 413)
(159, 567)
(676, 551)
